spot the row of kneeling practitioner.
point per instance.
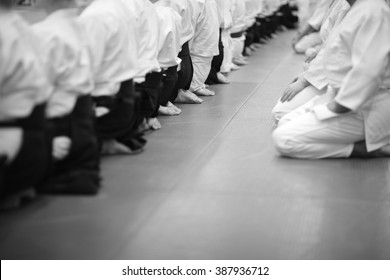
(92, 76)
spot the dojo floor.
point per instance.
(211, 186)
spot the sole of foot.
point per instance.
(235, 67)
(16, 200)
(240, 62)
(204, 92)
(113, 147)
(248, 51)
(154, 124)
(222, 79)
(187, 97)
(167, 111)
(170, 105)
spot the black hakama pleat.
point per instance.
(78, 172)
(169, 80)
(121, 122)
(186, 72)
(216, 63)
(32, 162)
(149, 91)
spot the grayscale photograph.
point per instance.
(194, 130)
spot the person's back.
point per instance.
(24, 90)
(75, 162)
(113, 37)
(181, 93)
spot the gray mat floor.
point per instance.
(211, 186)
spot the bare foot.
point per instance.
(235, 67)
(15, 200)
(240, 61)
(248, 51)
(170, 105)
(113, 147)
(187, 97)
(204, 92)
(167, 111)
(222, 78)
(154, 124)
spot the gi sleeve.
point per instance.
(370, 49)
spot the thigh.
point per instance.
(299, 100)
(322, 97)
(345, 129)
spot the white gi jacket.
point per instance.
(23, 80)
(315, 74)
(148, 32)
(225, 8)
(250, 12)
(113, 43)
(356, 62)
(185, 9)
(239, 16)
(169, 39)
(205, 19)
(67, 58)
(320, 13)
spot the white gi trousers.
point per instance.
(301, 134)
(227, 52)
(238, 46)
(202, 67)
(300, 99)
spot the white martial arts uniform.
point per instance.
(314, 74)
(250, 12)
(204, 45)
(148, 35)
(239, 26)
(305, 10)
(315, 21)
(115, 55)
(356, 61)
(23, 80)
(185, 9)
(170, 36)
(67, 59)
(227, 63)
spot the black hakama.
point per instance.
(121, 122)
(78, 172)
(31, 164)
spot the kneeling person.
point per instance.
(352, 118)
(24, 153)
(75, 154)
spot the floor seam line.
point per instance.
(201, 154)
(213, 140)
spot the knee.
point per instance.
(278, 112)
(285, 142)
(280, 138)
(300, 47)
